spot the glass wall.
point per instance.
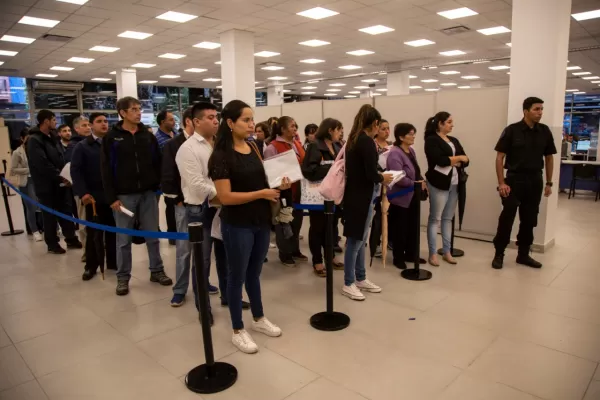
(581, 125)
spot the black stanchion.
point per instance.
(417, 274)
(211, 377)
(8, 193)
(329, 320)
(12, 231)
(454, 251)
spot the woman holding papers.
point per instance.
(445, 159)
(363, 183)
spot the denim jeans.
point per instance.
(246, 249)
(145, 207)
(354, 256)
(442, 205)
(30, 208)
(182, 253)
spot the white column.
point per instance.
(540, 71)
(476, 84)
(275, 95)
(398, 83)
(126, 80)
(237, 66)
(366, 94)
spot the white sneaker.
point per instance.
(352, 292)
(37, 237)
(244, 342)
(368, 286)
(265, 326)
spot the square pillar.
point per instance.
(398, 83)
(126, 79)
(275, 95)
(237, 66)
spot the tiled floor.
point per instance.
(478, 333)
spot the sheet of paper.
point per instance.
(66, 172)
(397, 175)
(443, 170)
(283, 165)
(126, 211)
(383, 159)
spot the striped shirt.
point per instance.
(163, 138)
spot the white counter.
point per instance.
(579, 162)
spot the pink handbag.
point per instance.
(332, 187)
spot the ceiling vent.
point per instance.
(9, 72)
(184, 82)
(56, 38)
(455, 30)
(51, 85)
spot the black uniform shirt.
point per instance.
(525, 147)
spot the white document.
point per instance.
(383, 159)
(66, 172)
(283, 165)
(215, 229)
(443, 170)
(397, 175)
(126, 212)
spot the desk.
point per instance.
(566, 175)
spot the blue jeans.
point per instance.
(246, 249)
(442, 204)
(145, 207)
(30, 208)
(182, 253)
(354, 256)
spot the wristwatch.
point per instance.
(549, 184)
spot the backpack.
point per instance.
(333, 186)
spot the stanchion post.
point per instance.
(8, 193)
(454, 251)
(12, 231)
(329, 320)
(417, 274)
(211, 377)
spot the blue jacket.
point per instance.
(85, 170)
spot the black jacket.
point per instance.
(170, 178)
(46, 161)
(75, 140)
(130, 163)
(318, 160)
(361, 178)
(438, 152)
(85, 170)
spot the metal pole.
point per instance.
(453, 251)
(12, 231)
(8, 193)
(417, 274)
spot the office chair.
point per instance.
(584, 172)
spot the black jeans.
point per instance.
(289, 247)
(403, 230)
(317, 235)
(100, 246)
(59, 199)
(525, 196)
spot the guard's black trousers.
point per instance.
(100, 246)
(525, 196)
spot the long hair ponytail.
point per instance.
(432, 126)
(364, 119)
(278, 125)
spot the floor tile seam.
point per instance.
(302, 387)
(590, 382)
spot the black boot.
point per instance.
(498, 261)
(524, 258)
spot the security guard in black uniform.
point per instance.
(522, 149)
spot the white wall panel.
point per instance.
(344, 111)
(304, 113)
(264, 113)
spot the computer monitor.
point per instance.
(583, 145)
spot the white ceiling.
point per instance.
(277, 28)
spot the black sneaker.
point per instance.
(122, 287)
(400, 264)
(160, 277)
(525, 259)
(245, 304)
(498, 261)
(56, 250)
(74, 244)
(299, 257)
(87, 275)
(289, 262)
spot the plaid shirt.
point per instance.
(162, 138)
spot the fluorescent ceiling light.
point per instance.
(349, 96)
(470, 77)
(375, 94)
(415, 87)
(573, 68)
(494, 31)
(308, 92)
(135, 35)
(509, 45)
(266, 54)
(457, 13)
(147, 81)
(581, 73)
(112, 73)
(277, 78)
(272, 68)
(354, 92)
(47, 75)
(198, 70)
(412, 76)
(176, 16)
(376, 29)
(143, 65)
(218, 62)
(370, 80)
(337, 84)
(586, 15)
(207, 45)
(308, 87)
(101, 79)
(572, 90)
(17, 39)
(259, 87)
(310, 73)
(46, 23)
(449, 72)
(62, 69)
(286, 91)
(82, 60)
(499, 67)
(350, 67)
(448, 84)
(382, 90)
(8, 53)
(314, 43)
(360, 52)
(589, 78)
(105, 49)
(1, 62)
(451, 53)
(170, 76)
(419, 43)
(221, 87)
(579, 93)
(361, 87)
(212, 80)
(172, 56)
(464, 87)
(315, 81)
(330, 94)
(312, 61)
(595, 81)
(317, 13)
(80, 2)
(429, 80)
(432, 90)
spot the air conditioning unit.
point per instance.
(47, 85)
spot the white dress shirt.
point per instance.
(192, 162)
